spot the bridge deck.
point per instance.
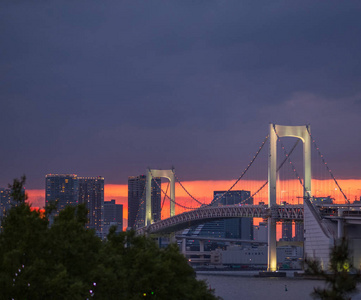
(277, 212)
(206, 214)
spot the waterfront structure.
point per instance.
(113, 216)
(288, 257)
(62, 189)
(136, 200)
(322, 225)
(238, 255)
(91, 193)
(260, 232)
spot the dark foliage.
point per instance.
(68, 261)
(341, 279)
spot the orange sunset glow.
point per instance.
(289, 191)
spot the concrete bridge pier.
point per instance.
(201, 246)
(272, 246)
(201, 249)
(278, 131)
(184, 246)
(169, 174)
(340, 224)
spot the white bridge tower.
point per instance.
(169, 174)
(278, 131)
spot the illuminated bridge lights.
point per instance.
(205, 214)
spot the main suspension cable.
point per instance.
(180, 183)
(326, 165)
(279, 167)
(243, 173)
(183, 206)
(164, 196)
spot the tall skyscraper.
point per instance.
(113, 215)
(6, 202)
(287, 231)
(61, 188)
(69, 189)
(136, 200)
(299, 232)
(241, 228)
(91, 192)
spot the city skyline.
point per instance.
(202, 190)
(225, 133)
(113, 88)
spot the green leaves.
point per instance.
(340, 283)
(68, 261)
(17, 190)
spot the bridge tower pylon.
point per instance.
(169, 174)
(278, 131)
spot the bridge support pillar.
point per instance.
(184, 246)
(201, 246)
(169, 174)
(272, 246)
(340, 231)
(201, 250)
(278, 131)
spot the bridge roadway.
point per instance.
(212, 213)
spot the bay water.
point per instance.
(243, 285)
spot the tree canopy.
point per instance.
(341, 278)
(68, 261)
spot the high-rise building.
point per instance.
(113, 215)
(136, 200)
(63, 189)
(287, 231)
(241, 228)
(323, 200)
(260, 232)
(299, 232)
(238, 228)
(91, 192)
(6, 202)
(69, 189)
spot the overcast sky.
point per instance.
(113, 87)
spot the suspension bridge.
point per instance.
(323, 224)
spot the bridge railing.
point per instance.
(206, 214)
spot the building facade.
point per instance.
(260, 232)
(241, 228)
(69, 189)
(286, 231)
(6, 202)
(113, 216)
(136, 200)
(237, 228)
(91, 193)
(299, 232)
(62, 189)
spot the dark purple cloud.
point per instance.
(110, 88)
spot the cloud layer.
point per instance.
(110, 88)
